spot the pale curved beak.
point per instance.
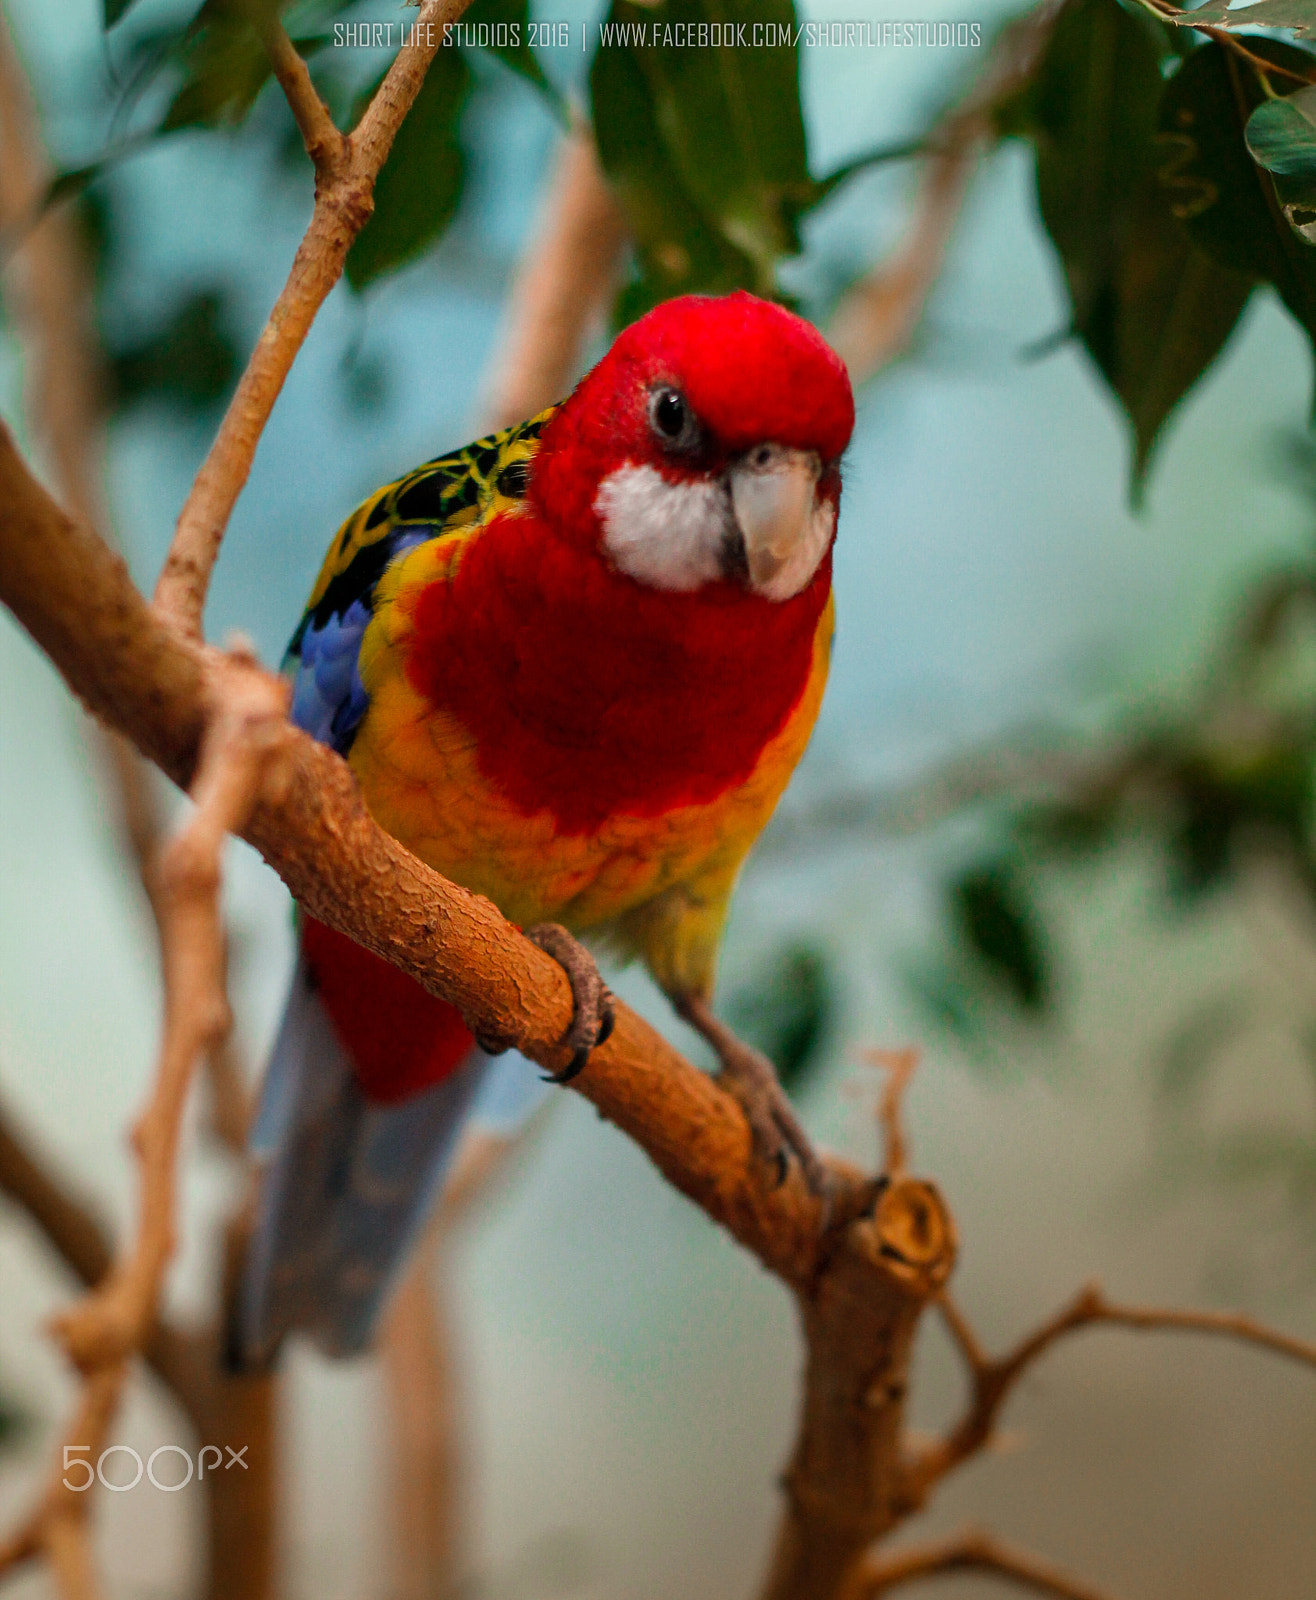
(785, 526)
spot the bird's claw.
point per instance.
(773, 1125)
(594, 1017)
(748, 1075)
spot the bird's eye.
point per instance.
(669, 415)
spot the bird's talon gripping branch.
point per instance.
(751, 1078)
(594, 1018)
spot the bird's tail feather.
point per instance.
(347, 1182)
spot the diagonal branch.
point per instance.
(970, 1551)
(876, 319)
(67, 1224)
(993, 1379)
(562, 284)
(346, 168)
(76, 599)
(327, 147)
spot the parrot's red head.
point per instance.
(704, 448)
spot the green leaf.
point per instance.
(704, 144)
(420, 185)
(225, 66)
(191, 361)
(1281, 136)
(992, 912)
(508, 28)
(1228, 204)
(113, 10)
(1299, 15)
(1152, 311)
(225, 69)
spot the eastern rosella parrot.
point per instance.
(572, 668)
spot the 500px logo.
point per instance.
(210, 1458)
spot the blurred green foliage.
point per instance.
(1151, 309)
(991, 910)
(190, 360)
(14, 1422)
(420, 184)
(787, 1012)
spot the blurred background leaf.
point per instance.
(1152, 311)
(420, 185)
(705, 148)
(787, 1012)
(190, 360)
(1225, 201)
(992, 912)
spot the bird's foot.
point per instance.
(749, 1076)
(594, 1017)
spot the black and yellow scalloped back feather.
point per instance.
(474, 484)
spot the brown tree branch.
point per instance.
(993, 1379)
(562, 286)
(875, 321)
(346, 168)
(48, 287)
(325, 144)
(69, 1226)
(970, 1551)
(241, 756)
(418, 1357)
(845, 1487)
(49, 291)
(76, 599)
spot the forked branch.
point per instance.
(241, 758)
(346, 167)
(994, 1378)
(971, 1551)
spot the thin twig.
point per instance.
(1223, 36)
(993, 1378)
(899, 1067)
(48, 288)
(325, 144)
(971, 1551)
(241, 758)
(345, 181)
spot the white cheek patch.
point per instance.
(666, 535)
(798, 569)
